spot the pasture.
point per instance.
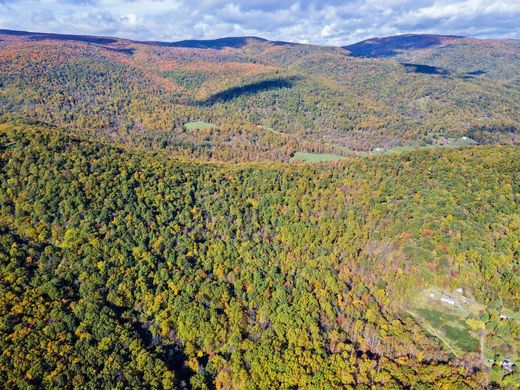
(199, 125)
(467, 325)
(315, 157)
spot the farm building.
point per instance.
(449, 300)
(507, 365)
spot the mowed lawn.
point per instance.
(453, 328)
(449, 322)
(199, 125)
(315, 157)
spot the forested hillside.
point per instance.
(126, 268)
(266, 100)
(162, 225)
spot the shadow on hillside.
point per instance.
(475, 73)
(424, 69)
(249, 89)
(128, 51)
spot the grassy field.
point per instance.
(269, 129)
(452, 143)
(199, 125)
(462, 142)
(448, 322)
(451, 329)
(461, 328)
(315, 157)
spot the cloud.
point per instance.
(332, 22)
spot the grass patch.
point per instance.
(461, 337)
(315, 157)
(199, 125)
(452, 328)
(436, 315)
(449, 322)
(463, 141)
(432, 316)
(452, 143)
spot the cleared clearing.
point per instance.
(464, 325)
(199, 125)
(461, 142)
(315, 157)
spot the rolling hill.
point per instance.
(392, 46)
(413, 90)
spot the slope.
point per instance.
(127, 267)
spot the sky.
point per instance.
(327, 22)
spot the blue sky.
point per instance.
(321, 22)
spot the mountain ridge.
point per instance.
(230, 39)
(391, 45)
(315, 98)
(404, 39)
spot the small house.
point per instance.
(449, 300)
(507, 365)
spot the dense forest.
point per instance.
(125, 268)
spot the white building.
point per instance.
(507, 365)
(449, 300)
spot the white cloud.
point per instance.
(332, 22)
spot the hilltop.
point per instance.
(391, 46)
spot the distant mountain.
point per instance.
(35, 36)
(220, 43)
(266, 99)
(390, 46)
